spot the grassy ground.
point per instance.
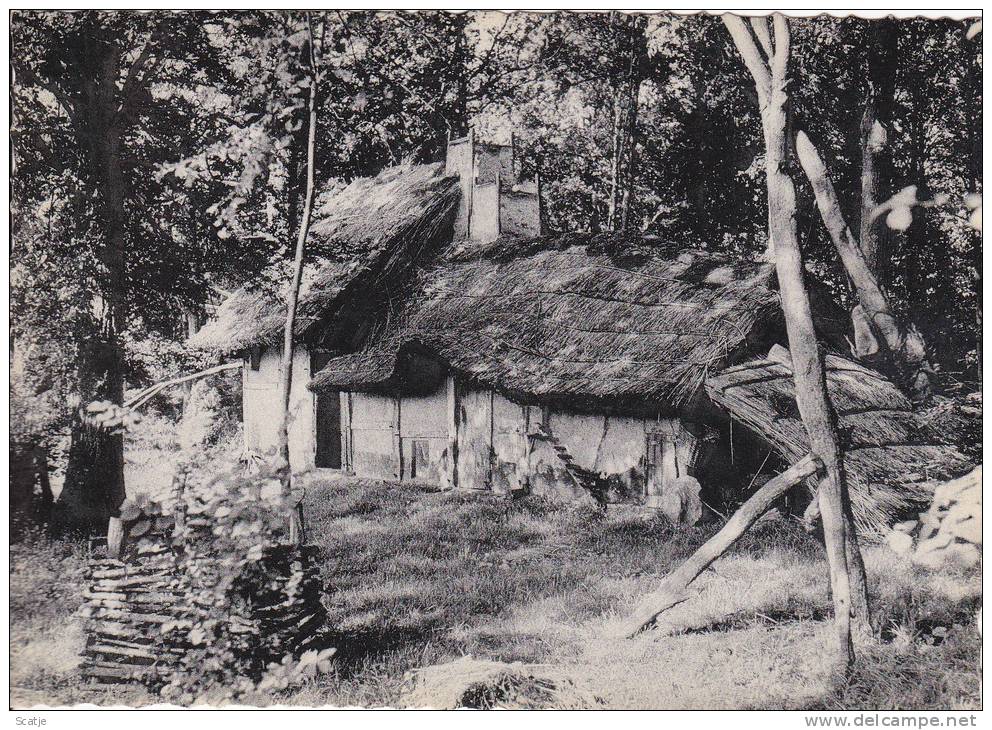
(416, 577)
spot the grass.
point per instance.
(46, 585)
(416, 577)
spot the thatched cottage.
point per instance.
(460, 347)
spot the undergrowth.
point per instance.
(415, 577)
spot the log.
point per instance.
(673, 588)
(115, 537)
(111, 672)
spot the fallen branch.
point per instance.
(145, 395)
(673, 588)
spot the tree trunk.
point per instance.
(94, 481)
(876, 159)
(286, 367)
(29, 471)
(673, 589)
(192, 317)
(625, 112)
(807, 365)
(94, 478)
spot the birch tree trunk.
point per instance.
(625, 111)
(293, 296)
(807, 365)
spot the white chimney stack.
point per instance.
(494, 202)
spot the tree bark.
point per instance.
(625, 112)
(192, 317)
(807, 365)
(94, 481)
(905, 350)
(673, 589)
(293, 296)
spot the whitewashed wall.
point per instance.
(260, 405)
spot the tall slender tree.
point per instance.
(812, 398)
(293, 296)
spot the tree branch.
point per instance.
(750, 53)
(60, 96)
(760, 26)
(672, 590)
(780, 60)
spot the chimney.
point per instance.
(495, 202)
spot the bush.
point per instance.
(254, 602)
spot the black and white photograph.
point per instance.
(478, 359)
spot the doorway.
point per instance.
(327, 408)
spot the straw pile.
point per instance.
(359, 230)
(608, 316)
(892, 456)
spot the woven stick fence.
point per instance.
(140, 609)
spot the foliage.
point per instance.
(232, 527)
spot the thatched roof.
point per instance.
(353, 229)
(605, 316)
(891, 454)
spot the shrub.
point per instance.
(240, 606)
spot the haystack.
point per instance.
(892, 455)
(358, 232)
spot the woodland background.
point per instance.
(159, 162)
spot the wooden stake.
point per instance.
(673, 588)
(115, 538)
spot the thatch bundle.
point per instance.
(891, 455)
(355, 230)
(611, 316)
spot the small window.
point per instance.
(255, 357)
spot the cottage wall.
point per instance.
(399, 438)
(261, 401)
(412, 438)
(484, 223)
(612, 446)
